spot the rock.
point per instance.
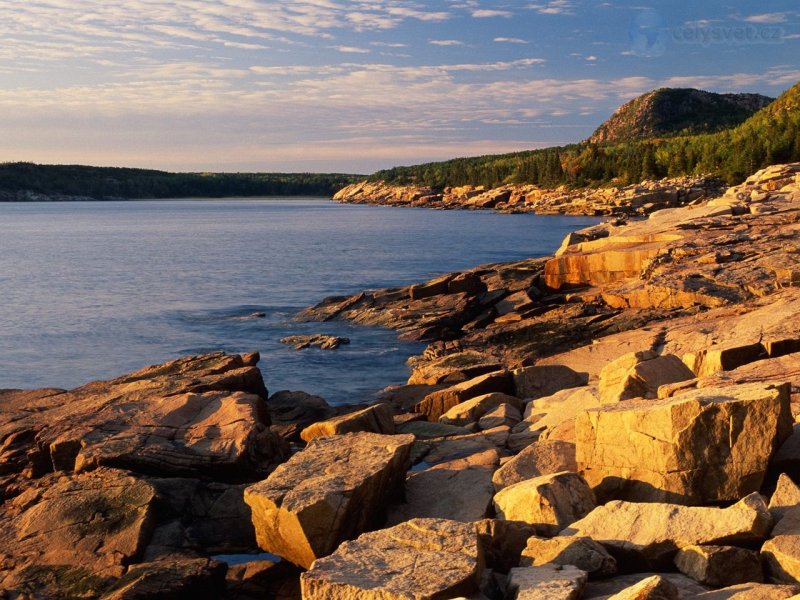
(427, 430)
(323, 342)
(503, 542)
(376, 419)
(436, 404)
(605, 589)
(329, 492)
(705, 446)
(196, 415)
(639, 375)
(200, 578)
(434, 558)
(540, 458)
(434, 287)
(752, 591)
(581, 552)
(540, 381)
(787, 458)
(785, 497)
(504, 415)
(453, 368)
(652, 588)
(291, 412)
(648, 535)
(723, 358)
(781, 556)
(550, 502)
(548, 582)
(473, 410)
(445, 493)
(720, 566)
(75, 530)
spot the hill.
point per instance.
(669, 112)
(29, 181)
(770, 136)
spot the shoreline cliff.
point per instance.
(615, 421)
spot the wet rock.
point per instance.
(720, 566)
(648, 535)
(583, 553)
(330, 492)
(548, 582)
(434, 558)
(540, 458)
(321, 341)
(375, 419)
(659, 450)
(550, 502)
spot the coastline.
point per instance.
(647, 373)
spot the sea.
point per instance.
(93, 290)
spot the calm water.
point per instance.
(95, 290)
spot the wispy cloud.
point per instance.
(510, 40)
(488, 13)
(446, 42)
(352, 50)
(554, 7)
(774, 18)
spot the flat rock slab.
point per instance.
(720, 566)
(648, 535)
(752, 591)
(77, 530)
(540, 458)
(581, 552)
(701, 447)
(201, 415)
(328, 493)
(421, 559)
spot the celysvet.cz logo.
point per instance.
(650, 34)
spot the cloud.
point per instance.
(446, 42)
(554, 7)
(510, 40)
(767, 18)
(486, 13)
(352, 50)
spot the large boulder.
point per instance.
(330, 492)
(655, 587)
(376, 418)
(550, 502)
(781, 556)
(704, 446)
(424, 559)
(648, 535)
(471, 411)
(76, 531)
(639, 375)
(201, 415)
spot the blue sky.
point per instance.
(330, 85)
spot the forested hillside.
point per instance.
(772, 135)
(107, 182)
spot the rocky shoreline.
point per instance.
(640, 199)
(615, 421)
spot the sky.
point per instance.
(338, 86)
